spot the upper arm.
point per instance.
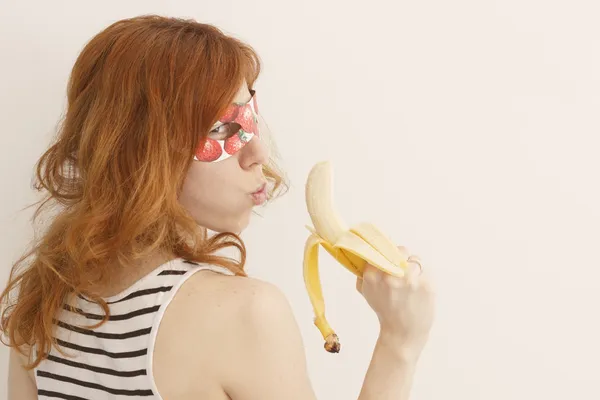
(265, 359)
(20, 384)
(230, 336)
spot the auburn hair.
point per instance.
(141, 96)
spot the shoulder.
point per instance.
(208, 298)
(227, 295)
(227, 319)
(234, 304)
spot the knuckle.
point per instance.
(393, 282)
(369, 275)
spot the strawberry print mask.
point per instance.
(235, 128)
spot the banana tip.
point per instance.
(332, 343)
(325, 164)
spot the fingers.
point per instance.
(412, 278)
(394, 282)
(425, 280)
(414, 270)
(414, 264)
(404, 251)
(371, 274)
(375, 276)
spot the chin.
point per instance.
(241, 225)
(235, 225)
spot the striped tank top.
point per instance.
(113, 361)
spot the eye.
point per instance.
(225, 131)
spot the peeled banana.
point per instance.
(352, 247)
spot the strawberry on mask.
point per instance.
(210, 151)
(230, 114)
(246, 118)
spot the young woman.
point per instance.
(125, 293)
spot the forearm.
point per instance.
(391, 371)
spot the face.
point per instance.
(225, 181)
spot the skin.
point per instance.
(237, 338)
(217, 194)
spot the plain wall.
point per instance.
(467, 130)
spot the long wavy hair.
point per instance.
(141, 95)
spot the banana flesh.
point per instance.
(352, 247)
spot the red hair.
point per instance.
(141, 95)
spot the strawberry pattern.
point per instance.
(247, 121)
(230, 114)
(212, 150)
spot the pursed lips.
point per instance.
(259, 196)
(260, 188)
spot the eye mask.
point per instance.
(235, 128)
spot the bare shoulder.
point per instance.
(227, 305)
(216, 294)
(236, 333)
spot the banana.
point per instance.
(352, 247)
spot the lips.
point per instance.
(260, 188)
(259, 196)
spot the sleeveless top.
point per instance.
(113, 361)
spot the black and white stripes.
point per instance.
(113, 360)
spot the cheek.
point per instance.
(205, 188)
(212, 198)
(193, 193)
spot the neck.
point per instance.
(126, 275)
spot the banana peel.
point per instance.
(353, 247)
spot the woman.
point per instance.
(125, 294)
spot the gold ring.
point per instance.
(415, 259)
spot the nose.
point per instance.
(255, 152)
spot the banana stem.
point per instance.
(332, 341)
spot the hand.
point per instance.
(405, 306)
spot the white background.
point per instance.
(467, 130)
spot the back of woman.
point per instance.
(116, 357)
(156, 169)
